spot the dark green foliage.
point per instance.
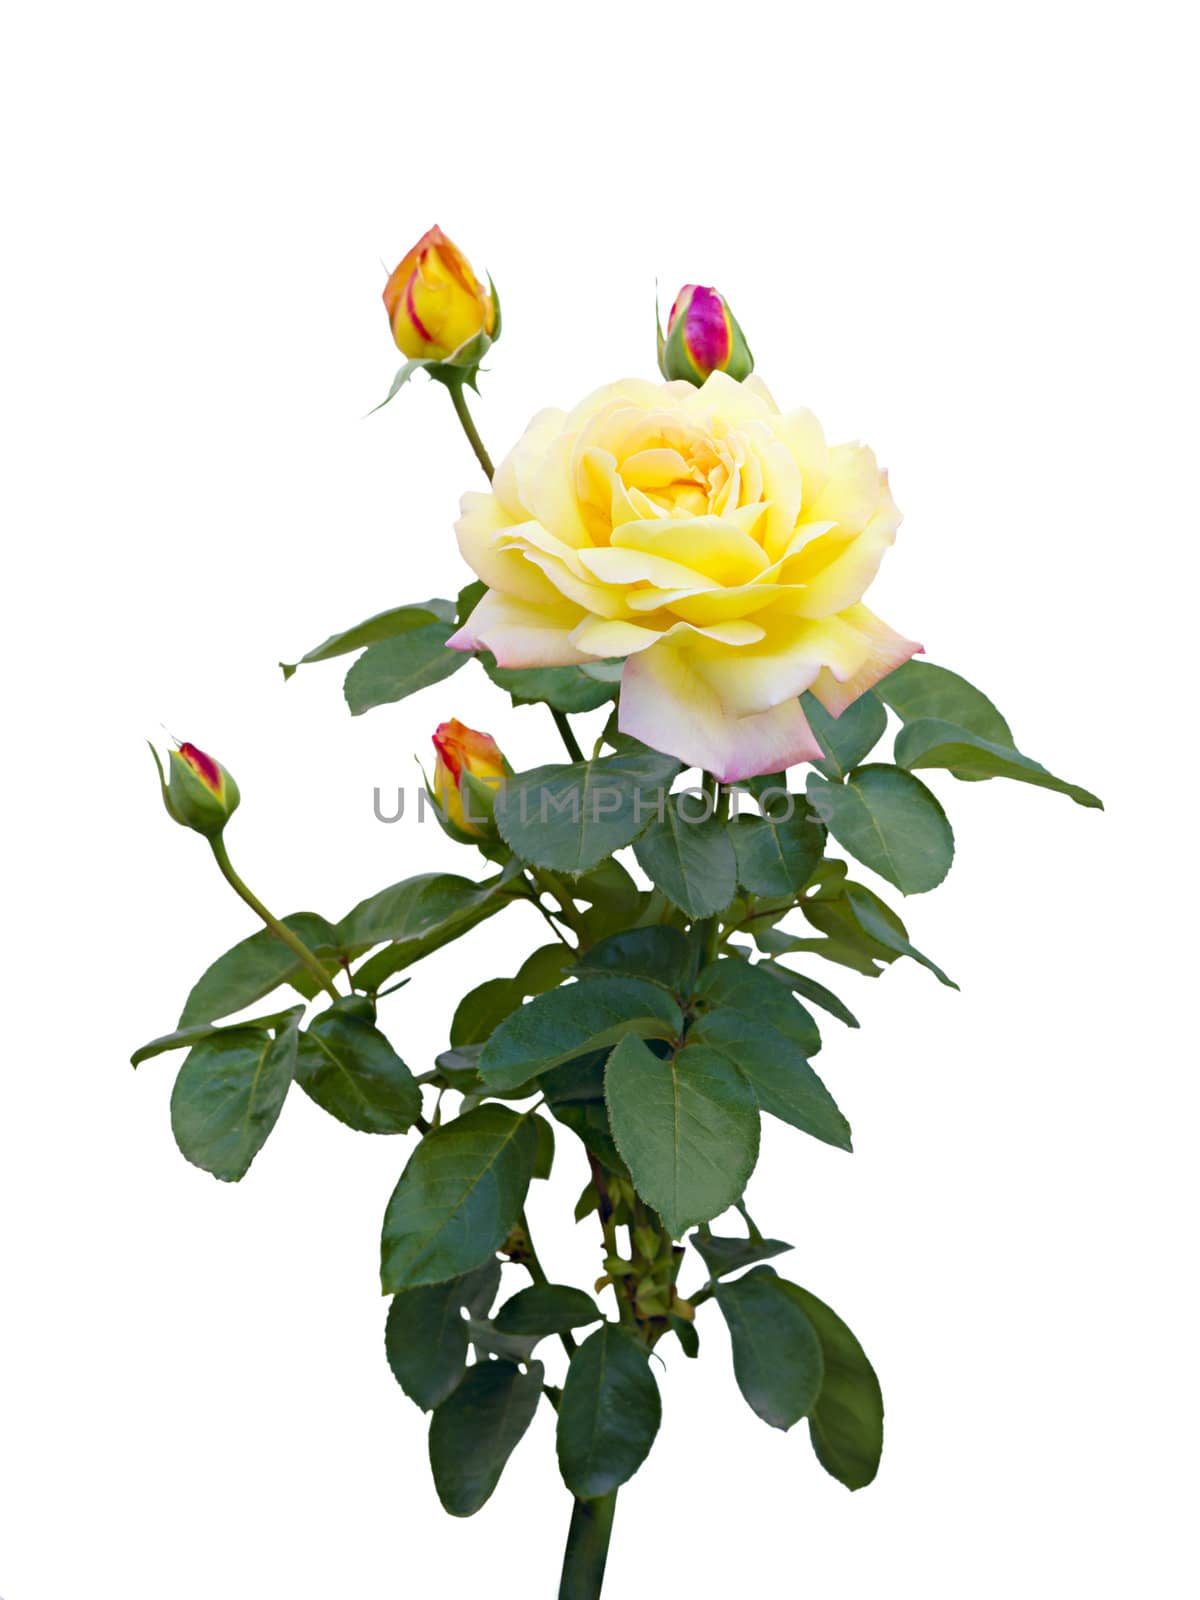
(609, 1413)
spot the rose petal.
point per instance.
(665, 705)
(522, 635)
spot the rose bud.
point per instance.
(702, 337)
(469, 770)
(198, 793)
(437, 306)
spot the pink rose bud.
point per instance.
(198, 793)
(702, 337)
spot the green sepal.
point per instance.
(675, 360)
(460, 367)
(189, 801)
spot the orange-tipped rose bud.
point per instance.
(199, 793)
(702, 337)
(437, 306)
(469, 770)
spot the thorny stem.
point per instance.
(711, 938)
(280, 929)
(538, 1273)
(563, 723)
(587, 1548)
(458, 399)
(570, 911)
(535, 900)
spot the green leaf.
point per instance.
(414, 908)
(480, 1287)
(890, 822)
(395, 668)
(350, 1070)
(608, 1415)
(481, 1011)
(782, 1081)
(543, 1161)
(722, 1255)
(777, 856)
(834, 917)
(489, 1342)
(468, 598)
(918, 690)
(575, 1095)
(228, 1096)
(588, 1121)
(658, 954)
(547, 1308)
(581, 1079)
(544, 968)
(384, 625)
(614, 897)
(572, 1021)
(848, 739)
(932, 743)
(372, 974)
(477, 1428)
(569, 818)
(253, 968)
(777, 1356)
(869, 911)
(735, 985)
(861, 956)
(426, 1338)
(846, 1424)
(685, 1332)
(690, 860)
(460, 1067)
(811, 990)
(564, 688)
(426, 1342)
(687, 1128)
(458, 1197)
(184, 1038)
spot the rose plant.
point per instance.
(688, 560)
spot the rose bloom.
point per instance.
(716, 543)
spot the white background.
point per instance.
(962, 234)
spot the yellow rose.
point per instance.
(434, 301)
(718, 544)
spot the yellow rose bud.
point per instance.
(469, 769)
(435, 303)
